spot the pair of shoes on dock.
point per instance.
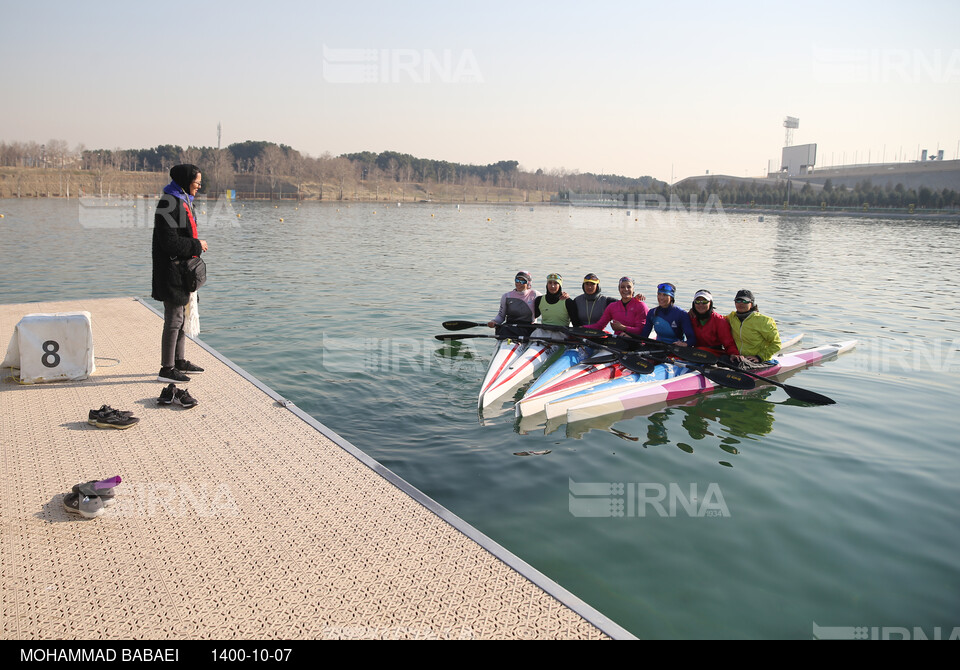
(171, 395)
(108, 417)
(179, 372)
(89, 499)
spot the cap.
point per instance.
(591, 279)
(703, 294)
(744, 293)
(668, 289)
(555, 276)
(523, 274)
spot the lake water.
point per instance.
(790, 521)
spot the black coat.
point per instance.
(172, 239)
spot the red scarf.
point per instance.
(193, 223)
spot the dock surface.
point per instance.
(240, 518)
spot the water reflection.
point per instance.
(724, 420)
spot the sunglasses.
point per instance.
(701, 301)
(520, 280)
(742, 301)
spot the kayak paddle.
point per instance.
(793, 391)
(688, 354)
(461, 325)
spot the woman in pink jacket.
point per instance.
(627, 315)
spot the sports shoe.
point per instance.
(166, 395)
(116, 419)
(103, 411)
(171, 375)
(89, 507)
(107, 495)
(182, 397)
(188, 367)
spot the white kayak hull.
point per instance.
(517, 366)
(690, 383)
(506, 353)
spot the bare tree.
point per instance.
(191, 155)
(273, 160)
(221, 168)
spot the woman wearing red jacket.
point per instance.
(711, 328)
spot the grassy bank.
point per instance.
(54, 183)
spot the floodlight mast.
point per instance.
(790, 123)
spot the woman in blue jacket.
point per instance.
(669, 322)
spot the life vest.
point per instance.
(555, 314)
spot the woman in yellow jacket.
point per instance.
(755, 334)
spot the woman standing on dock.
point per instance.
(175, 238)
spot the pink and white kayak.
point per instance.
(557, 406)
(580, 376)
(691, 383)
(602, 378)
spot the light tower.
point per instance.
(791, 123)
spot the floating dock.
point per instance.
(242, 518)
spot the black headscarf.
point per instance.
(183, 175)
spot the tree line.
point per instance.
(775, 194)
(268, 167)
(805, 194)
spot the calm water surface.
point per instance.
(804, 517)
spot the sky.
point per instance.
(637, 88)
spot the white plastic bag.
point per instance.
(191, 317)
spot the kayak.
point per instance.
(558, 405)
(691, 382)
(506, 353)
(584, 378)
(513, 364)
(567, 358)
(576, 377)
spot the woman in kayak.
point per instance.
(626, 315)
(755, 334)
(710, 327)
(671, 323)
(590, 304)
(517, 306)
(555, 307)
